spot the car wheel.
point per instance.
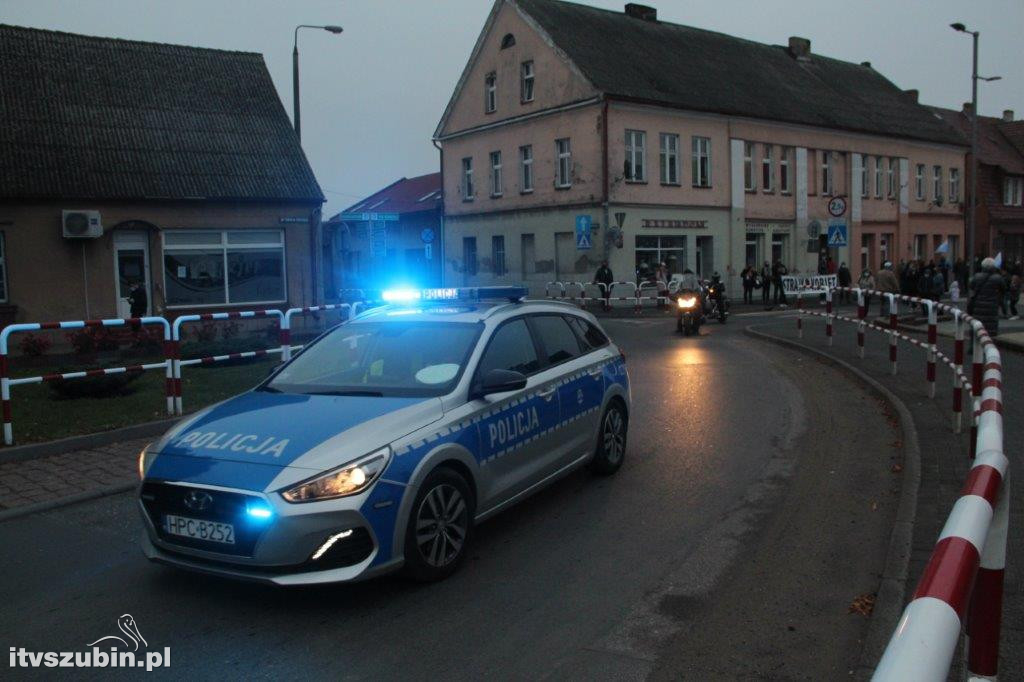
(611, 441)
(439, 526)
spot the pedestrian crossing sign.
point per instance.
(836, 234)
(583, 226)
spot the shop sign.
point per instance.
(671, 223)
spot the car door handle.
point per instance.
(547, 394)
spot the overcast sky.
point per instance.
(373, 95)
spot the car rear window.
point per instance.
(592, 336)
(510, 348)
(559, 341)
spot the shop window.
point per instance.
(231, 267)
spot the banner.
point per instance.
(809, 284)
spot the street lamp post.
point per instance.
(295, 72)
(972, 216)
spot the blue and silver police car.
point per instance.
(384, 441)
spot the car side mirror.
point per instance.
(500, 381)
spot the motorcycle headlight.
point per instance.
(145, 460)
(687, 302)
(350, 479)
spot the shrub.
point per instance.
(34, 346)
(105, 386)
(148, 339)
(230, 330)
(206, 332)
(91, 339)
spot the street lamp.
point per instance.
(974, 143)
(295, 71)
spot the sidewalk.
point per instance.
(944, 461)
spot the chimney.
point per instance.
(968, 108)
(800, 48)
(867, 64)
(911, 95)
(1007, 115)
(641, 12)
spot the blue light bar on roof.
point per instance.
(455, 294)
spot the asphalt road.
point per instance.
(730, 544)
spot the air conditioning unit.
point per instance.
(81, 224)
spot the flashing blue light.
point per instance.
(259, 511)
(400, 295)
(454, 294)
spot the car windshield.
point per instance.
(381, 359)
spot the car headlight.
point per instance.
(350, 479)
(146, 458)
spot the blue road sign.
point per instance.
(427, 235)
(836, 234)
(583, 240)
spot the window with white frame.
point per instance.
(767, 174)
(491, 92)
(919, 181)
(954, 184)
(669, 159)
(748, 167)
(636, 153)
(496, 190)
(1013, 188)
(826, 173)
(937, 183)
(225, 267)
(890, 178)
(3, 268)
(467, 179)
(563, 154)
(784, 170)
(865, 171)
(701, 161)
(526, 168)
(526, 81)
(879, 176)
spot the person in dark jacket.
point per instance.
(748, 277)
(844, 279)
(766, 284)
(604, 276)
(778, 272)
(987, 290)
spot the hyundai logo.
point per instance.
(197, 500)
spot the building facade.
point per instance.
(390, 238)
(130, 163)
(1000, 219)
(698, 150)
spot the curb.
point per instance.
(889, 602)
(18, 453)
(26, 510)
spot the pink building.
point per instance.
(682, 146)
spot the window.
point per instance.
(865, 168)
(767, 176)
(591, 336)
(526, 81)
(670, 250)
(230, 267)
(635, 153)
(508, 41)
(510, 348)
(748, 167)
(469, 255)
(1012, 190)
(784, 170)
(556, 337)
(937, 184)
(563, 152)
(826, 173)
(669, 159)
(3, 268)
(701, 161)
(878, 177)
(467, 179)
(491, 92)
(954, 184)
(526, 168)
(496, 174)
(890, 178)
(498, 265)
(919, 181)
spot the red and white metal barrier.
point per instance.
(286, 323)
(175, 345)
(962, 584)
(6, 382)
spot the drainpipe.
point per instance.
(606, 218)
(440, 236)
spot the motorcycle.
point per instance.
(718, 302)
(689, 312)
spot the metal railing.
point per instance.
(962, 584)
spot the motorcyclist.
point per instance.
(689, 282)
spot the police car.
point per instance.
(384, 441)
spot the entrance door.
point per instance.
(705, 256)
(565, 256)
(131, 259)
